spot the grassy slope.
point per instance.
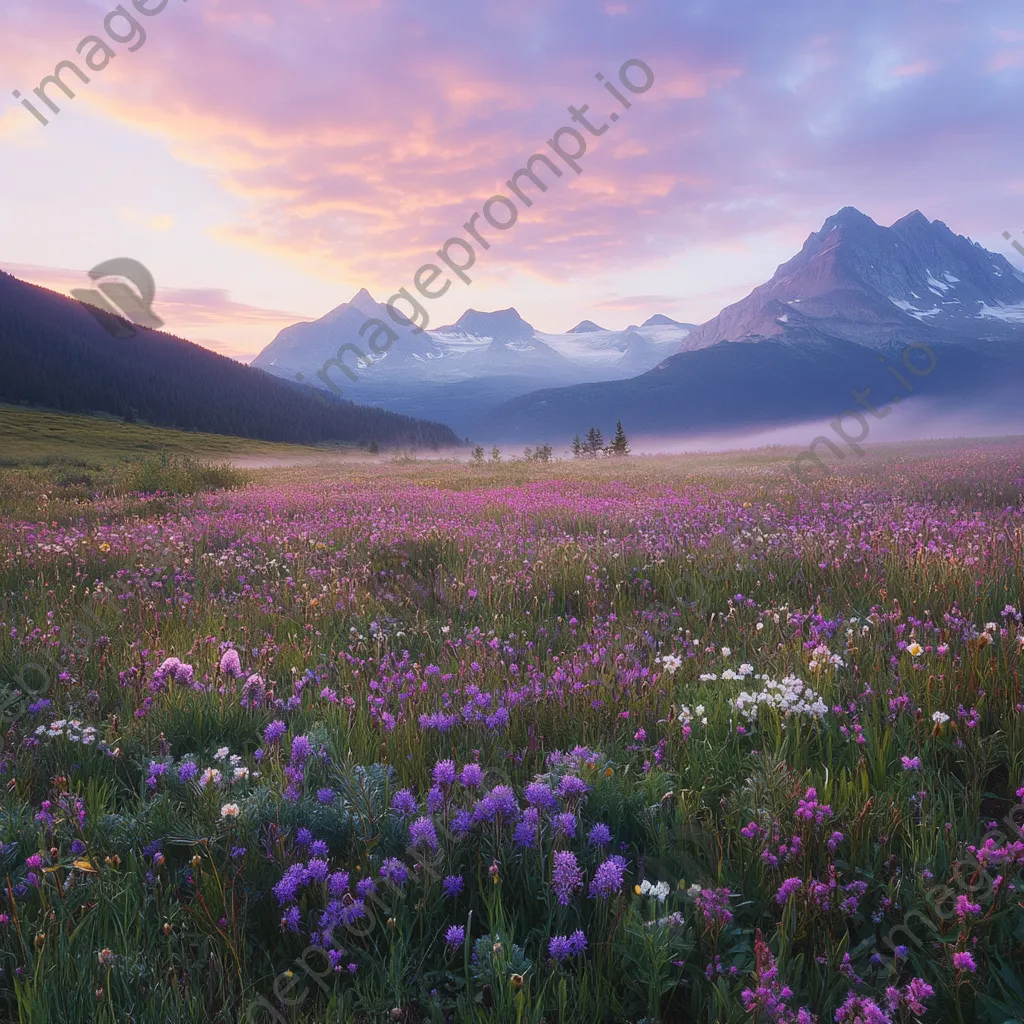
(29, 436)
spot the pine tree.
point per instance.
(577, 447)
(478, 454)
(594, 442)
(495, 454)
(619, 445)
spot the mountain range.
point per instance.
(862, 316)
(459, 372)
(835, 317)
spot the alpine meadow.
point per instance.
(511, 513)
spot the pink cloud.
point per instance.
(358, 135)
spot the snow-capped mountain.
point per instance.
(459, 371)
(821, 329)
(478, 345)
(878, 286)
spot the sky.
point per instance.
(267, 160)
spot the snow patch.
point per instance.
(918, 314)
(1008, 314)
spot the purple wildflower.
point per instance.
(600, 835)
(230, 663)
(453, 886)
(444, 773)
(472, 776)
(455, 936)
(607, 880)
(404, 802)
(423, 833)
(525, 834)
(714, 905)
(274, 732)
(565, 825)
(301, 749)
(964, 962)
(394, 871)
(540, 795)
(566, 876)
(571, 786)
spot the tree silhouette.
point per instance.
(619, 445)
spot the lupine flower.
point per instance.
(274, 732)
(301, 749)
(607, 880)
(566, 876)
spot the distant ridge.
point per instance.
(660, 320)
(57, 355)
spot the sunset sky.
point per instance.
(266, 160)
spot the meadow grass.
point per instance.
(674, 739)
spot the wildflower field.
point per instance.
(663, 739)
